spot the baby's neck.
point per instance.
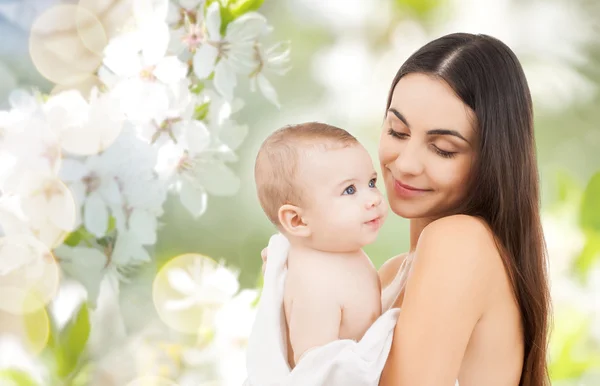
(300, 248)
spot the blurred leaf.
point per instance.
(201, 111)
(36, 323)
(569, 190)
(81, 234)
(232, 9)
(73, 239)
(197, 88)
(73, 339)
(421, 8)
(112, 224)
(589, 256)
(570, 358)
(226, 15)
(226, 18)
(16, 377)
(83, 377)
(590, 205)
(240, 7)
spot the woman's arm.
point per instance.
(444, 299)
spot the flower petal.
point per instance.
(204, 60)
(190, 4)
(213, 21)
(193, 198)
(170, 70)
(198, 136)
(247, 27)
(128, 250)
(180, 304)
(110, 192)
(180, 280)
(95, 215)
(156, 41)
(225, 79)
(232, 134)
(267, 90)
(143, 224)
(72, 170)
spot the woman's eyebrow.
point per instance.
(430, 132)
(399, 116)
(447, 132)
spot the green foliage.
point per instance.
(573, 352)
(571, 357)
(589, 216)
(15, 377)
(64, 353)
(81, 234)
(240, 7)
(73, 339)
(590, 205)
(422, 9)
(232, 9)
(201, 111)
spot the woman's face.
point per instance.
(427, 147)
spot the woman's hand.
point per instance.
(263, 255)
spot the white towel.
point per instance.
(342, 362)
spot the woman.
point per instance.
(457, 155)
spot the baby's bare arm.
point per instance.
(314, 313)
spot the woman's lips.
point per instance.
(407, 191)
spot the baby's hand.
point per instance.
(263, 255)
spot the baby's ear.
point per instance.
(290, 218)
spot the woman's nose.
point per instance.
(409, 160)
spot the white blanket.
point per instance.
(342, 362)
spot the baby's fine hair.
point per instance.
(275, 170)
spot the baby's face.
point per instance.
(343, 206)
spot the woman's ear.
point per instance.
(290, 218)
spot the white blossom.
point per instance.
(274, 60)
(229, 54)
(85, 128)
(202, 284)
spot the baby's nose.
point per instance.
(374, 200)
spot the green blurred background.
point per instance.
(344, 56)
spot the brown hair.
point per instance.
(275, 169)
(504, 187)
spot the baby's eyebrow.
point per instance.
(348, 181)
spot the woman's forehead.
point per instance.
(427, 102)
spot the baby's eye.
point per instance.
(372, 183)
(350, 190)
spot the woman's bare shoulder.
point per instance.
(462, 245)
(455, 230)
(388, 270)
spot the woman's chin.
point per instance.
(412, 211)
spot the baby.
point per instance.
(317, 184)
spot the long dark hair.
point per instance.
(504, 186)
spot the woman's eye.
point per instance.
(350, 190)
(443, 153)
(372, 183)
(397, 134)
